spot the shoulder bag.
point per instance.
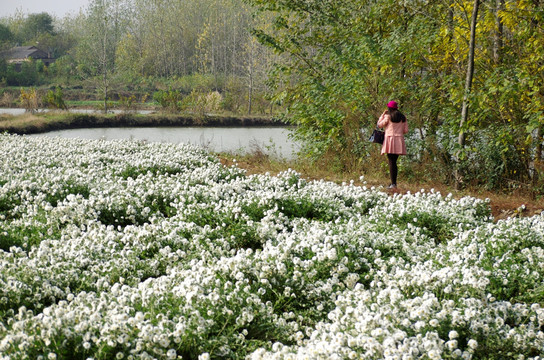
(377, 136)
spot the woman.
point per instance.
(395, 126)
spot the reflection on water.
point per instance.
(273, 141)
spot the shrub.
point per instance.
(54, 99)
(169, 100)
(7, 99)
(29, 99)
(235, 95)
(26, 77)
(128, 103)
(202, 103)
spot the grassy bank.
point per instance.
(50, 121)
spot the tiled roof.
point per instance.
(23, 52)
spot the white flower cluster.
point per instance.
(135, 250)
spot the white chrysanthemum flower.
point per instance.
(161, 254)
(451, 345)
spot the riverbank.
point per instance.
(52, 121)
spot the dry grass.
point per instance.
(21, 121)
(7, 99)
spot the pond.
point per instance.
(273, 141)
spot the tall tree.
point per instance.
(104, 25)
(257, 61)
(498, 34)
(36, 25)
(344, 60)
(468, 80)
(6, 36)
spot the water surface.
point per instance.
(273, 141)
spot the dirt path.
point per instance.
(502, 205)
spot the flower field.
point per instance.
(133, 250)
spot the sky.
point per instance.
(56, 8)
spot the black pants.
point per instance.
(393, 170)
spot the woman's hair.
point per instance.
(396, 116)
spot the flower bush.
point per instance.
(134, 250)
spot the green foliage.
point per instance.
(63, 68)
(169, 100)
(187, 83)
(34, 25)
(27, 76)
(40, 66)
(3, 70)
(127, 102)
(333, 64)
(345, 60)
(54, 99)
(6, 36)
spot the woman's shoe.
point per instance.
(392, 186)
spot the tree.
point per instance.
(499, 31)
(343, 60)
(254, 67)
(3, 70)
(34, 26)
(6, 37)
(342, 63)
(469, 77)
(55, 45)
(104, 25)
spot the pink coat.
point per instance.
(394, 135)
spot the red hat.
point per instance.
(392, 105)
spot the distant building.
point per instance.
(20, 54)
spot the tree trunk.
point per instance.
(497, 36)
(468, 83)
(451, 31)
(251, 63)
(105, 68)
(540, 130)
(105, 91)
(539, 140)
(250, 93)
